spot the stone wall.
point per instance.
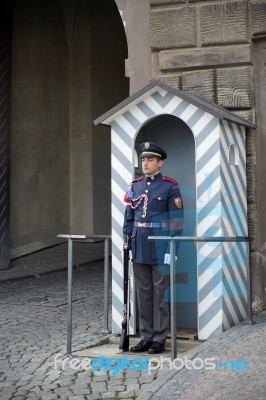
(39, 153)
(205, 48)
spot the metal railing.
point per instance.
(84, 238)
(173, 271)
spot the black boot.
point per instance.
(156, 347)
(143, 345)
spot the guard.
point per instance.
(154, 208)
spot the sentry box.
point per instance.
(205, 145)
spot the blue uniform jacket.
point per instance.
(156, 201)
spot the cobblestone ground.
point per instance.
(33, 331)
(244, 342)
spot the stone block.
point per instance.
(98, 385)
(100, 378)
(207, 57)
(258, 289)
(116, 381)
(224, 23)
(23, 393)
(250, 142)
(234, 87)
(5, 384)
(145, 379)
(81, 391)
(20, 398)
(129, 394)
(200, 83)
(252, 224)
(109, 395)
(249, 115)
(171, 80)
(166, 2)
(132, 381)
(258, 17)
(251, 176)
(93, 397)
(63, 392)
(101, 372)
(49, 396)
(21, 382)
(133, 386)
(171, 28)
(116, 388)
(132, 374)
(155, 63)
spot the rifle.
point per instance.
(124, 339)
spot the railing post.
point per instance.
(249, 288)
(173, 271)
(70, 239)
(106, 283)
(69, 295)
(173, 299)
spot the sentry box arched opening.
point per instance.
(198, 137)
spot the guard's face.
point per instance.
(151, 165)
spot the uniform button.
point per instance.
(148, 183)
(146, 191)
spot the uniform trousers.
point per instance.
(153, 285)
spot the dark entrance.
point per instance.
(177, 139)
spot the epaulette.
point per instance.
(138, 179)
(167, 178)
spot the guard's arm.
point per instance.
(175, 216)
(176, 211)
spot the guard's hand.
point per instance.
(167, 259)
(129, 254)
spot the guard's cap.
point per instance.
(149, 149)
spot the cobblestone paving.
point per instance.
(52, 259)
(244, 342)
(33, 331)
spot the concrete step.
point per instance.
(111, 350)
(182, 344)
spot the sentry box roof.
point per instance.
(149, 90)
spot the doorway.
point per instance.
(177, 139)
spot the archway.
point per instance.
(68, 66)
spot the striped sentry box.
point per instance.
(221, 201)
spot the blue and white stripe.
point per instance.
(234, 223)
